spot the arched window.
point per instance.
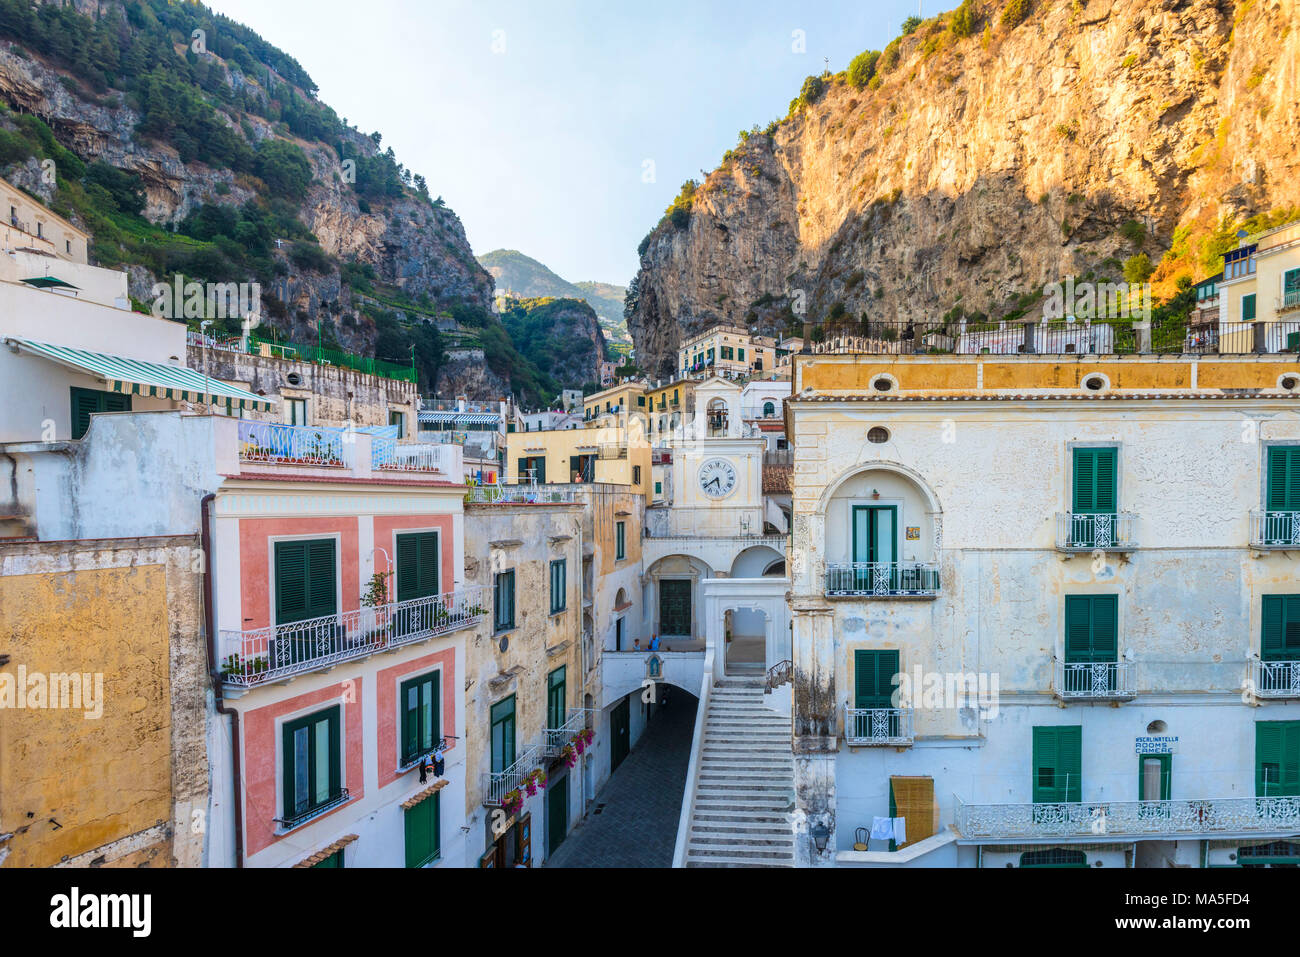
(769, 410)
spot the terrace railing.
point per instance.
(263, 655)
(554, 739)
(1100, 820)
(1102, 336)
(278, 443)
(882, 579)
(389, 456)
(521, 495)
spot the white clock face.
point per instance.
(717, 478)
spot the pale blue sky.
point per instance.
(540, 144)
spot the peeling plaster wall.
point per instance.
(1189, 595)
(124, 789)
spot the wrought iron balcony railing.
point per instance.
(882, 579)
(1276, 679)
(878, 726)
(1289, 300)
(554, 739)
(263, 655)
(1128, 819)
(497, 784)
(1094, 680)
(1086, 532)
(301, 818)
(277, 443)
(1274, 529)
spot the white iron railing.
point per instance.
(261, 655)
(1122, 819)
(1094, 680)
(497, 784)
(520, 495)
(1084, 532)
(882, 579)
(1274, 529)
(554, 739)
(1276, 679)
(878, 726)
(290, 444)
(387, 455)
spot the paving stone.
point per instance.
(642, 799)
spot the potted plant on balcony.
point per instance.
(569, 755)
(513, 802)
(536, 778)
(376, 596)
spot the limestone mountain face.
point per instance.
(977, 169)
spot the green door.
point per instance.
(1091, 637)
(1058, 764)
(1277, 758)
(306, 583)
(620, 727)
(675, 607)
(422, 844)
(556, 705)
(1096, 497)
(1154, 773)
(557, 813)
(1280, 641)
(875, 541)
(417, 565)
(873, 689)
(503, 734)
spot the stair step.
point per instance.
(702, 849)
(779, 829)
(731, 862)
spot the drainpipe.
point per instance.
(205, 541)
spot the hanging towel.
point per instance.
(900, 830)
(438, 764)
(422, 775)
(882, 829)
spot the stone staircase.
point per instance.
(744, 791)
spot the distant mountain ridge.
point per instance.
(525, 277)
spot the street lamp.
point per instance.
(821, 834)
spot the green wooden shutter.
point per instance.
(1095, 481)
(422, 823)
(87, 402)
(408, 560)
(417, 565)
(873, 678)
(1277, 758)
(1057, 764)
(322, 579)
(290, 582)
(1283, 492)
(1273, 640)
(1078, 628)
(1105, 627)
(1091, 628)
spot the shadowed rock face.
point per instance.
(989, 167)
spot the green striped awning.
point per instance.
(137, 377)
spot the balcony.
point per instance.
(714, 522)
(554, 739)
(1126, 820)
(1274, 529)
(276, 652)
(1276, 679)
(1080, 532)
(879, 727)
(497, 784)
(298, 820)
(1289, 301)
(1094, 680)
(882, 579)
(278, 444)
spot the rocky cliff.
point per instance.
(101, 74)
(980, 157)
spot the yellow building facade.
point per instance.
(608, 454)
